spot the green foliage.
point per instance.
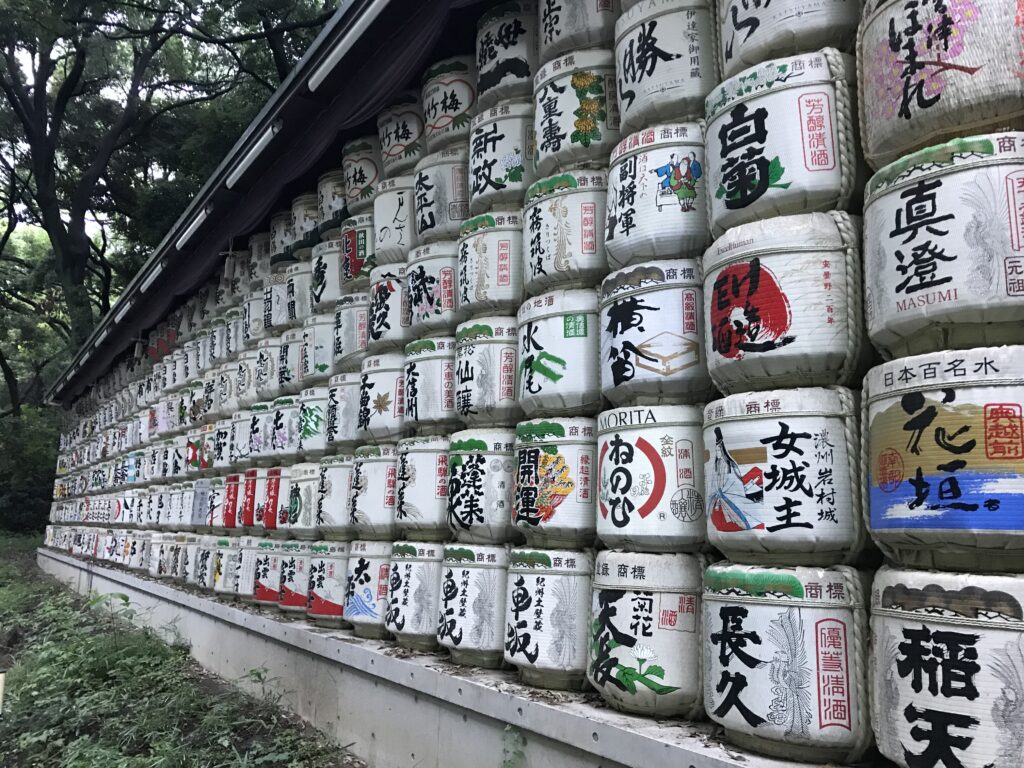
(28, 456)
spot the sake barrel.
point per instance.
(574, 25)
(333, 507)
(441, 194)
(394, 223)
(297, 514)
(471, 605)
(944, 247)
(489, 267)
(284, 430)
(267, 581)
(501, 148)
(480, 485)
(258, 265)
(372, 492)
(273, 512)
(449, 101)
(234, 338)
(227, 556)
(341, 420)
(652, 335)
(931, 74)
(294, 592)
(554, 503)
(576, 114)
(361, 163)
(280, 235)
(330, 192)
(245, 377)
(222, 445)
(289, 361)
(241, 422)
(781, 476)
(214, 511)
(381, 397)
(305, 218)
(316, 356)
(430, 277)
(780, 139)
(389, 314)
(785, 660)
(265, 373)
(430, 386)
(506, 52)
(412, 613)
(961, 709)
(558, 353)
(226, 381)
(254, 492)
(651, 478)
(547, 617)
(233, 487)
(645, 644)
(325, 283)
(749, 33)
(563, 238)
(312, 422)
(400, 131)
(351, 326)
(783, 300)
(366, 587)
(357, 255)
(328, 565)
(275, 303)
(253, 329)
(665, 60)
(421, 489)
(944, 448)
(657, 198)
(485, 371)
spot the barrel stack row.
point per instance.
(608, 319)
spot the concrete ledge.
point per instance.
(400, 708)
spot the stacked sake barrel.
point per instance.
(944, 444)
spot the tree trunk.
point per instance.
(11, 379)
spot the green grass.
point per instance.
(86, 690)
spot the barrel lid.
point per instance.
(280, 216)
(456, 64)
(355, 222)
(327, 245)
(263, 238)
(567, 561)
(388, 361)
(564, 301)
(648, 572)
(661, 135)
(493, 327)
(426, 444)
(437, 346)
(308, 198)
(556, 431)
(838, 585)
(329, 548)
(457, 154)
(997, 599)
(305, 470)
(504, 10)
(314, 393)
(260, 408)
(353, 299)
(417, 550)
(777, 235)
(294, 547)
(243, 414)
(384, 452)
(512, 109)
(396, 184)
(383, 272)
(979, 367)
(482, 441)
(640, 416)
(565, 183)
(331, 175)
(401, 102)
(341, 379)
(479, 555)
(571, 62)
(371, 548)
(447, 249)
(286, 402)
(337, 460)
(360, 145)
(273, 341)
(491, 221)
(773, 403)
(650, 275)
(314, 320)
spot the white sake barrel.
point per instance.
(559, 350)
(471, 605)
(316, 355)
(234, 338)
(265, 374)
(233, 486)
(361, 162)
(449, 101)
(480, 485)
(783, 301)
(258, 265)
(372, 495)
(276, 496)
(570, 26)
(351, 321)
(225, 382)
(389, 315)
(785, 660)
(222, 445)
(325, 284)
(931, 74)
(506, 53)
(333, 507)
(301, 504)
(305, 219)
(944, 247)
(294, 594)
(490, 264)
(645, 643)
(430, 280)
(381, 397)
(947, 668)
(400, 131)
(563, 233)
(665, 60)
(501, 148)
(313, 422)
(441, 194)
(430, 386)
(421, 490)
(267, 582)
(245, 377)
(275, 303)
(394, 222)
(234, 568)
(554, 503)
(357, 255)
(238, 450)
(782, 477)
(214, 512)
(280, 235)
(547, 616)
(657, 197)
(284, 429)
(330, 192)
(944, 445)
(652, 335)
(412, 615)
(651, 478)
(341, 420)
(749, 33)
(217, 337)
(576, 114)
(328, 567)
(485, 371)
(366, 587)
(253, 329)
(254, 490)
(289, 361)
(780, 139)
